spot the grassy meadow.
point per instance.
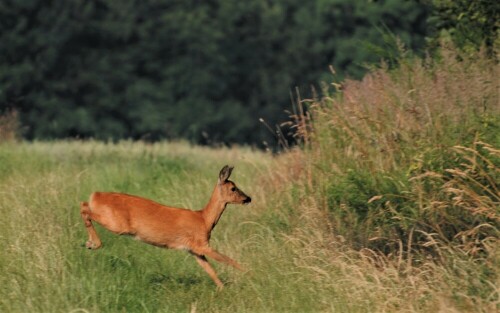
(46, 267)
(390, 204)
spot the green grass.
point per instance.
(391, 205)
(47, 269)
(293, 262)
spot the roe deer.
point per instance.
(162, 225)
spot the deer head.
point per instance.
(228, 190)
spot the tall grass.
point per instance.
(405, 167)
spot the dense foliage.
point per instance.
(202, 70)
(406, 161)
(469, 24)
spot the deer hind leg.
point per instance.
(202, 260)
(94, 242)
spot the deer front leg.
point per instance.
(94, 242)
(219, 257)
(202, 260)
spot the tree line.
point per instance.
(206, 71)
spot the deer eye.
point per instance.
(233, 188)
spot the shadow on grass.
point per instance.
(165, 280)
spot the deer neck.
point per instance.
(214, 209)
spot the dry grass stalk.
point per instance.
(9, 126)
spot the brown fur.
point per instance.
(162, 225)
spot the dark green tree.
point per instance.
(468, 24)
(201, 70)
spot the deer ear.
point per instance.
(224, 174)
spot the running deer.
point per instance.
(162, 225)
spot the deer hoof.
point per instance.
(91, 245)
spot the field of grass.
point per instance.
(47, 269)
(45, 265)
(391, 204)
(293, 263)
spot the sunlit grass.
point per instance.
(292, 262)
(45, 266)
(391, 205)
